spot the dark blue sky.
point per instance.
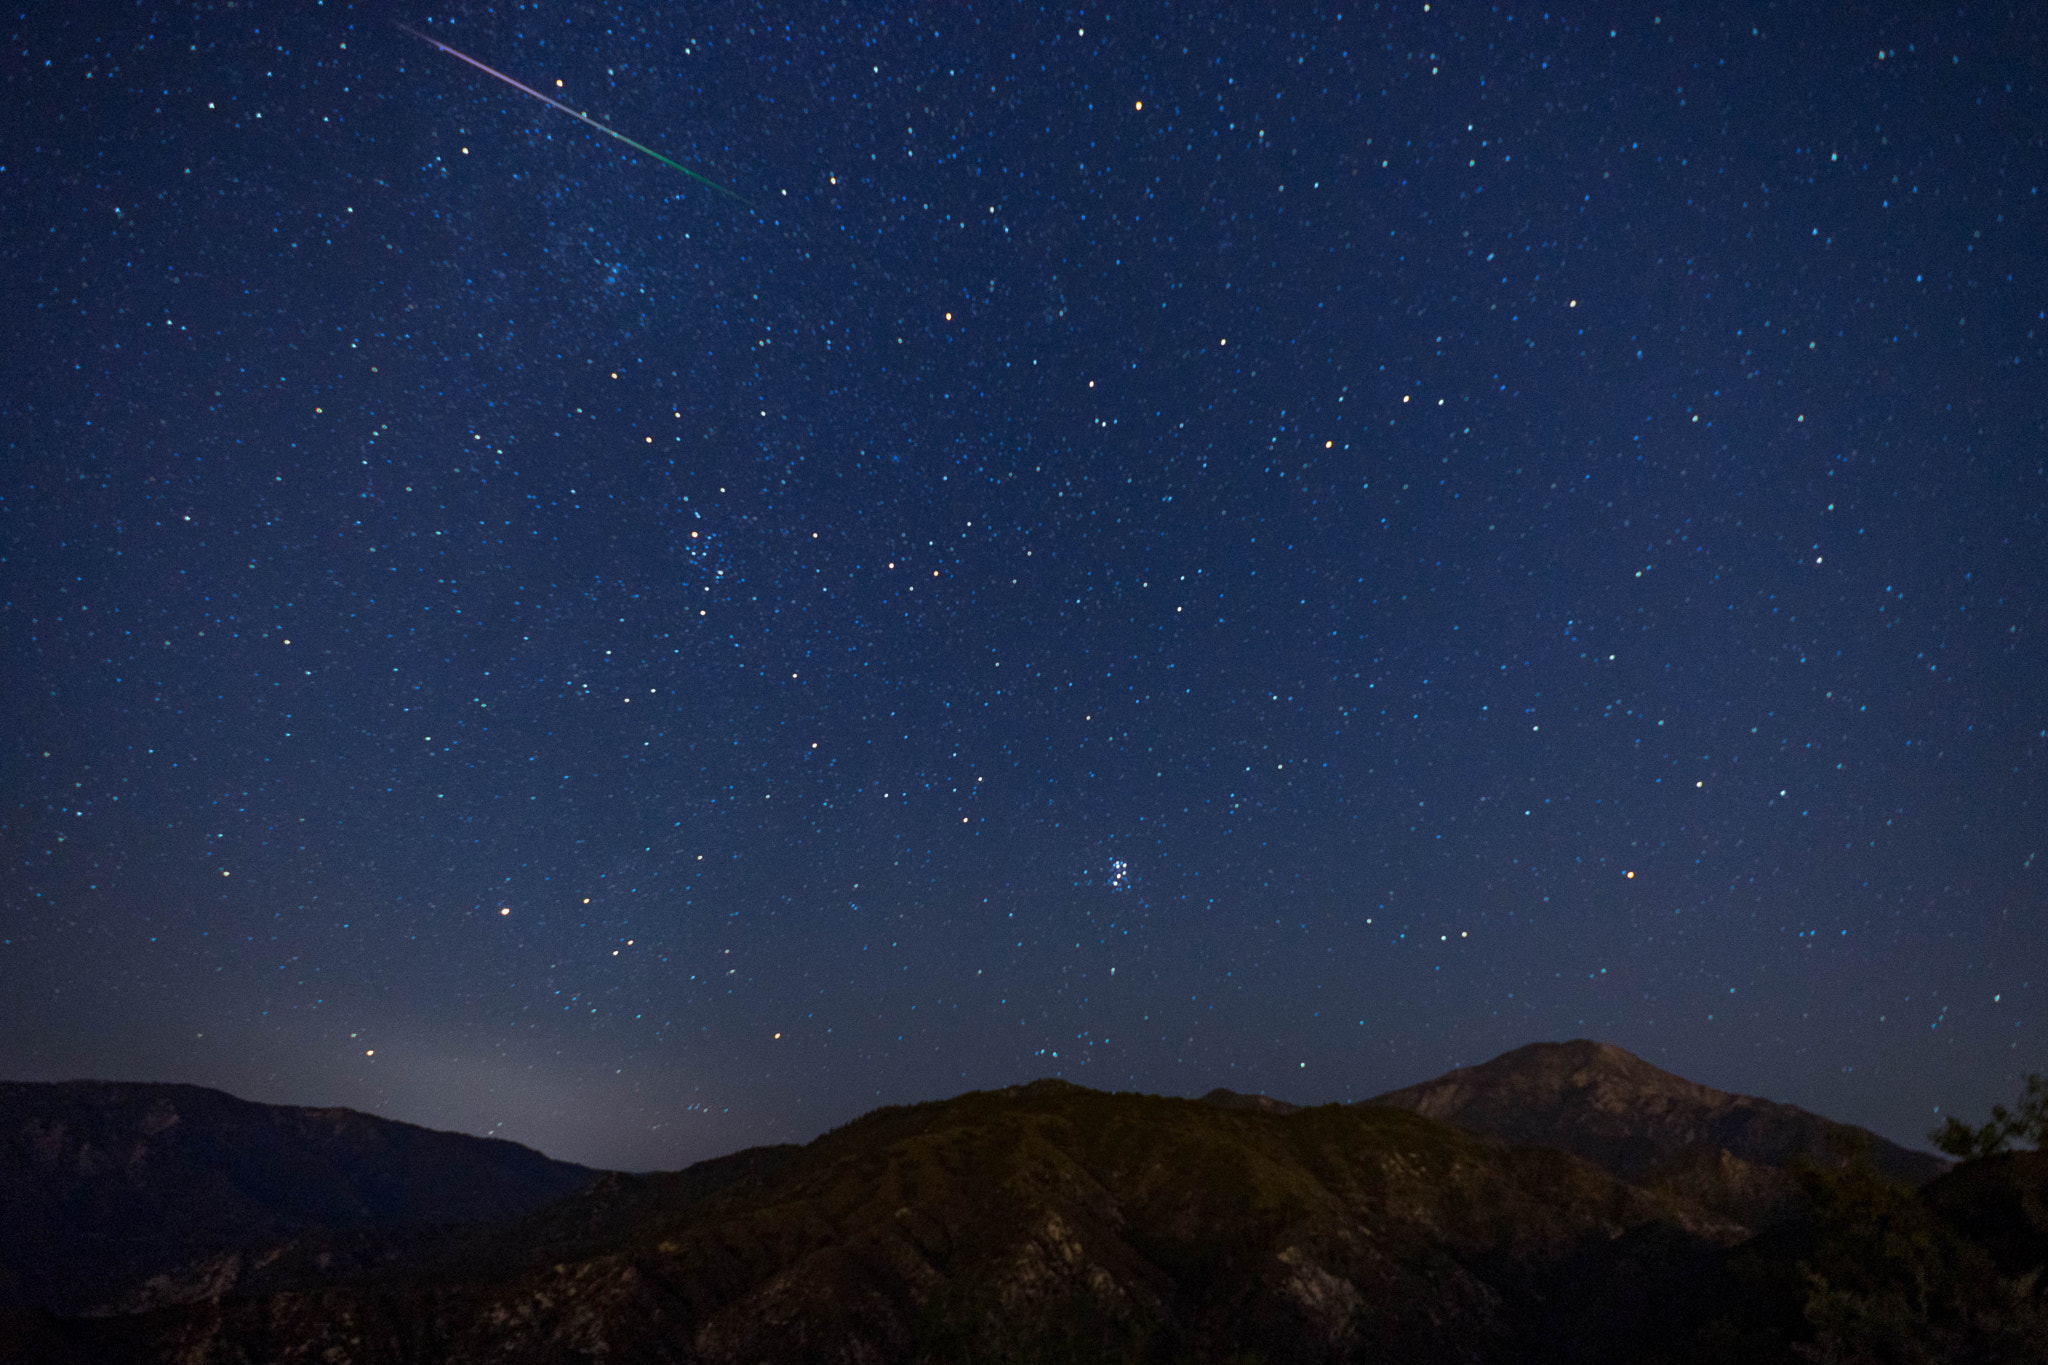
(1156, 546)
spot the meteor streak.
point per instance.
(608, 132)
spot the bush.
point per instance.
(2029, 1125)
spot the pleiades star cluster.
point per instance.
(1167, 545)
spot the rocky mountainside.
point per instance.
(1727, 1152)
(1613, 1108)
(1041, 1222)
(104, 1186)
(1232, 1099)
(1051, 1222)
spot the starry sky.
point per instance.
(1164, 545)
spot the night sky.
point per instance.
(1165, 545)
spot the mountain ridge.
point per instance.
(1631, 1116)
(1048, 1213)
(85, 1164)
(1046, 1220)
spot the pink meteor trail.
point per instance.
(555, 103)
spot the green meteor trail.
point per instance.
(608, 132)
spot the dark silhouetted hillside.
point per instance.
(1047, 1222)
(1042, 1222)
(2001, 1203)
(103, 1185)
(1231, 1099)
(1730, 1153)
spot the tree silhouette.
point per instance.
(2029, 1126)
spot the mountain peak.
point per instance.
(1612, 1107)
(1233, 1099)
